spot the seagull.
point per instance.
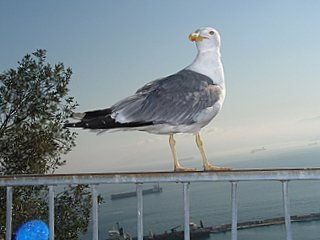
(183, 102)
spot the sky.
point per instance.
(270, 51)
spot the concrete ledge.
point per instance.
(154, 177)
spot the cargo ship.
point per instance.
(196, 232)
(155, 189)
(266, 222)
(201, 232)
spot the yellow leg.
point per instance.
(177, 166)
(206, 165)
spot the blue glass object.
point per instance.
(33, 230)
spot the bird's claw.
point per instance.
(184, 169)
(210, 167)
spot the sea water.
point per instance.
(210, 202)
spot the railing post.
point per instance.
(95, 229)
(286, 207)
(186, 200)
(51, 212)
(234, 207)
(9, 214)
(139, 211)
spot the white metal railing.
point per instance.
(186, 178)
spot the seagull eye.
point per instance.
(211, 32)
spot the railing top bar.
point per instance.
(152, 177)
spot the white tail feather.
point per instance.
(78, 115)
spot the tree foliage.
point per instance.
(34, 105)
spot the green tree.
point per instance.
(34, 105)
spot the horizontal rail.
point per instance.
(153, 177)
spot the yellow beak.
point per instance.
(195, 37)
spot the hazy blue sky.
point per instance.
(270, 51)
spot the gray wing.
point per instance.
(176, 99)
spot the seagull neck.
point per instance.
(209, 63)
(213, 53)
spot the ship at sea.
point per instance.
(155, 189)
(201, 232)
(196, 232)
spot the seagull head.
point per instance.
(206, 38)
